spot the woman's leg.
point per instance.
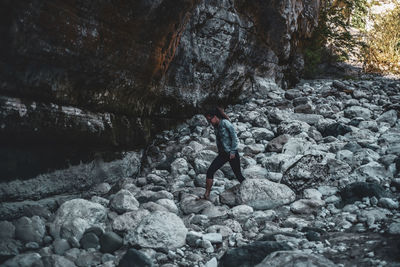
(217, 163)
(235, 165)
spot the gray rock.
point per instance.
(311, 193)
(190, 204)
(192, 237)
(23, 260)
(255, 172)
(129, 220)
(158, 230)
(263, 194)
(90, 240)
(389, 117)
(179, 166)
(214, 212)
(75, 216)
(30, 229)
(388, 203)
(135, 258)
(7, 230)
(110, 242)
(306, 206)
(262, 134)
(295, 258)
(394, 228)
(60, 246)
(214, 238)
(212, 263)
(168, 204)
(9, 248)
(357, 111)
(276, 144)
(88, 258)
(124, 201)
(56, 261)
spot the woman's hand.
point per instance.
(231, 156)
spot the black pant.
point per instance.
(220, 160)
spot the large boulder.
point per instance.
(159, 230)
(75, 216)
(129, 220)
(264, 194)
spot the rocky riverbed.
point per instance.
(321, 163)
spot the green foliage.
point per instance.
(332, 39)
(382, 50)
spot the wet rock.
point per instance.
(359, 190)
(135, 258)
(90, 240)
(110, 242)
(251, 254)
(158, 230)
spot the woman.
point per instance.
(227, 143)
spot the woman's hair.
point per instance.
(217, 111)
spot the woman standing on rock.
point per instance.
(227, 143)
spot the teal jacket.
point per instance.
(227, 140)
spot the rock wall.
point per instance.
(109, 74)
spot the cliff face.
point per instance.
(107, 74)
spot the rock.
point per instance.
(110, 242)
(214, 212)
(190, 204)
(394, 228)
(241, 212)
(214, 238)
(90, 240)
(75, 216)
(262, 134)
(388, 203)
(224, 230)
(255, 172)
(306, 206)
(251, 254)
(30, 229)
(212, 263)
(60, 246)
(263, 194)
(124, 201)
(228, 197)
(9, 248)
(179, 166)
(159, 230)
(88, 258)
(359, 190)
(295, 258)
(168, 204)
(129, 220)
(357, 111)
(311, 193)
(7, 230)
(135, 258)
(23, 260)
(102, 188)
(389, 117)
(192, 237)
(276, 144)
